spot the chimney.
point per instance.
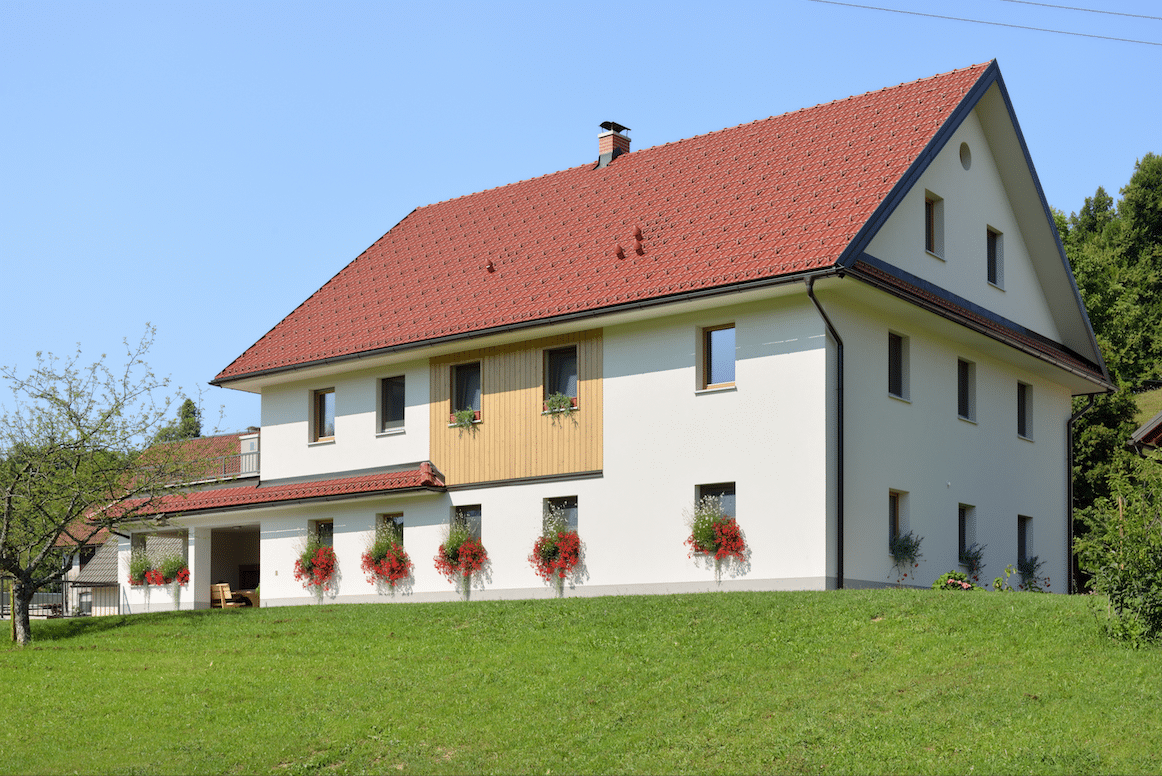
(611, 143)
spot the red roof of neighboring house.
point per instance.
(774, 197)
(81, 532)
(255, 495)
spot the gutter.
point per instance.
(1069, 590)
(810, 281)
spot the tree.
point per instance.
(70, 461)
(188, 426)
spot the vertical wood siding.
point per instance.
(515, 438)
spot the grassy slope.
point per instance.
(1149, 405)
(852, 681)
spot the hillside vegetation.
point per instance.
(887, 681)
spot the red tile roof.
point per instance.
(761, 200)
(256, 495)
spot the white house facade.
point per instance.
(848, 321)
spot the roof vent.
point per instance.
(611, 143)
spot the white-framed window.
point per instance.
(724, 491)
(965, 529)
(717, 351)
(1024, 538)
(995, 257)
(322, 531)
(391, 403)
(469, 517)
(561, 373)
(965, 390)
(898, 365)
(1024, 410)
(323, 414)
(466, 387)
(564, 506)
(933, 224)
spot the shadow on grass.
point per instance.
(74, 627)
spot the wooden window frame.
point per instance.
(547, 366)
(386, 422)
(319, 400)
(706, 353)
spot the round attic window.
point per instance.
(965, 156)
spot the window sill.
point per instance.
(897, 397)
(321, 442)
(966, 420)
(934, 255)
(569, 411)
(1026, 438)
(721, 388)
(390, 432)
(997, 286)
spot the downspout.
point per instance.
(1069, 493)
(838, 430)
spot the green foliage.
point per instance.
(139, 564)
(1030, 571)
(954, 580)
(905, 551)
(1122, 550)
(458, 533)
(707, 511)
(463, 420)
(188, 425)
(559, 402)
(170, 565)
(972, 558)
(70, 441)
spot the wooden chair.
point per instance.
(222, 598)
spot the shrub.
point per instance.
(954, 580)
(1030, 571)
(171, 566)
(1123, 548)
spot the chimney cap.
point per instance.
(613, 126)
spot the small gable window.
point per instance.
(323, 411)
(897, 365)
(933, 224)
(391, 403)
(995, 253)
(718, 356)
(561, 373)
(466, 387)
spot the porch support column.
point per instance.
(199, 560)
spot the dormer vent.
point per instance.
(611, 143)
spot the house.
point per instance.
(849, 322)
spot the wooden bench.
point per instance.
(222, 598)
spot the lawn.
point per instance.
(887, 681)
(1149, 405)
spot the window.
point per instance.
(1024, 537)
(1024, 410)
(897, 524)
(323, 531)
(996, 258)
(466, 387)
(933, 224)
(561, 372)
(965, 389)
(966, 529)
(391, 403)
(393, 524)
(724, 491)
(565, 507)
(468, 517)
(897, 365)
(323, 424)
(718, 356)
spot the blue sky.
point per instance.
(207, 166)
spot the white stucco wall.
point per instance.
(287, 449)
(922, 448)
(974, 200)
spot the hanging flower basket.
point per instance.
(461, 556)
(556, 554)
(714, 534)
(388, 563)
(316, 566)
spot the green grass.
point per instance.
(887, 681)
(1149, 405)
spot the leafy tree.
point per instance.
(188, 426)
(1122, 550)
(69, 461)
